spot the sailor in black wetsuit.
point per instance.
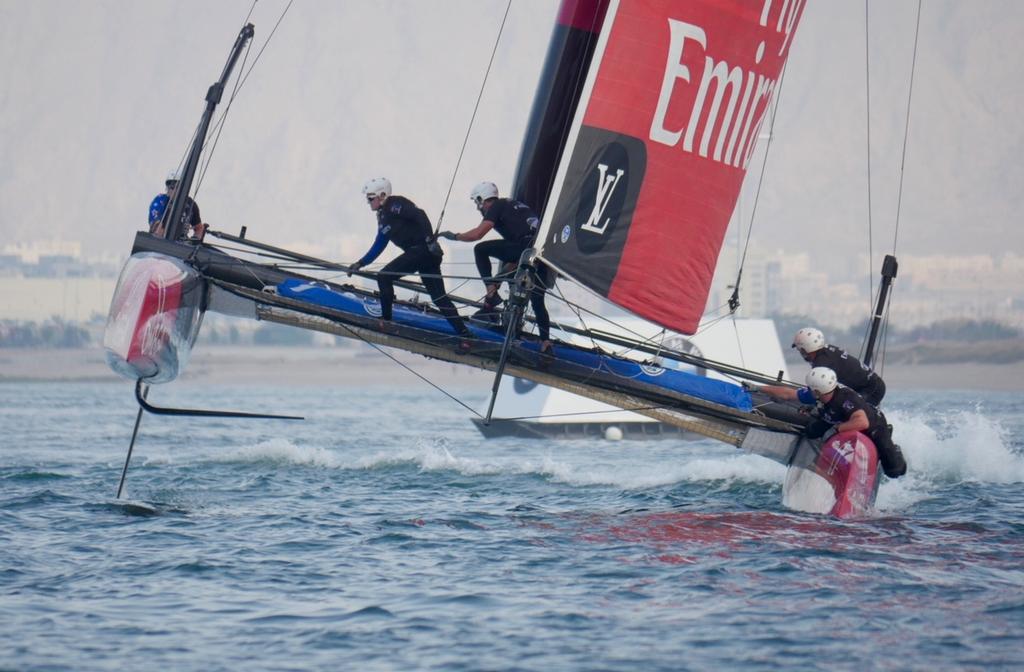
(517, 224)
(810, 342)
(844, 409)
(402, 223)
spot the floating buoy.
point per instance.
(613, 433)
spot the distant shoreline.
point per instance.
(351, 367)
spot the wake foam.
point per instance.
(626, 469)
(946, 448)
(958, 446)
(284, 451)
(640, 476)
(633, 469)
(942, 449)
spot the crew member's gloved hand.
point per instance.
(747, 386)
(353, 268)
(450, 235)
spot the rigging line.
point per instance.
(249, 15)
(760, 179)
(410, 369)
(312, 266)
(223, 117)
(562, 415)
(472, 118)
(641, 339)
(578, 310)
(356, 334)
(242, 79)
(419, 375)
(739, 341)
(195, 131)
(220, 127)
(594, 336)
(220, 121)
(658, 339)
(711, 314)
(867, 123)
(710, 323)
(906, 131)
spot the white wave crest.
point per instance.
(430, 455)
(638, 474)
(958, 446)
(632, 469)
(942, 449)
(283, 450)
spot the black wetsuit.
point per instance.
(402, 223)
(517, 224)
(851, 373)
(843, 404)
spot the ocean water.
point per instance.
(383, 533)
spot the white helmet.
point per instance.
(809, 340)
(482, 192)
(821, 380)
(378, 186)
(173, 176)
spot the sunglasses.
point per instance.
(370, 198)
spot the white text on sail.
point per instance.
(738, 122)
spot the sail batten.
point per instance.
(668, 118)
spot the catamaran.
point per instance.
(644, 121)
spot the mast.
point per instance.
(570, 49)
(889, 267)
(213, 96)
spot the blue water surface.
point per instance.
(384, 533)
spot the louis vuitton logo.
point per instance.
(605, 187)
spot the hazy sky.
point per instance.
(98, 101)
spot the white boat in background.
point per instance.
(527, 409)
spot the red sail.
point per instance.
(668, 118)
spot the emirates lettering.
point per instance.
(729, 104)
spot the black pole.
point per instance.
(213, 95)
(506, 347)
(135, 433)
(519, 292)
(889, 267)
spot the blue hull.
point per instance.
(716, 391)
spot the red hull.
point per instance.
(840, 479)
(154, 318)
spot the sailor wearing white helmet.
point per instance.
(810, 343)
(517, 224)
(399, 221)
(846, 411)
